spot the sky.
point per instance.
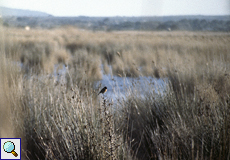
(122, 7)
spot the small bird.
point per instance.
(103, 90)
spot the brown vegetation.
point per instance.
(191, 120)
(140, 53)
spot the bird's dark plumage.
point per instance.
(103, 90)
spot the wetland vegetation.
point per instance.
(67, 120)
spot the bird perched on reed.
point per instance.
(103, 90)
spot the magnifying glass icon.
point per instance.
(9, 147)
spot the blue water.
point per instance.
(122, 87)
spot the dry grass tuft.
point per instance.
(169, 127)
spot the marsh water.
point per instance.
(122, 87)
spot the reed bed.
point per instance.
(128, 53)
(67, 120)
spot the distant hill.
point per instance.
(6, 12)
(34, 19)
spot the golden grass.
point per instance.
(68, 121)
(137, 50)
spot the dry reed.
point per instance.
(190, 120)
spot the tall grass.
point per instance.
(67, 120)
(140, 53)
(180, 125)
(62, 124)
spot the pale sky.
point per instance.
(122, 7)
